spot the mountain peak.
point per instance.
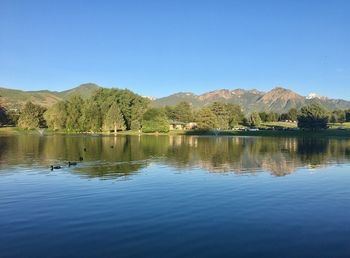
(282, 94)
(313, 95)
(280, 89)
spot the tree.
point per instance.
(312, 117)
(254, 120)
(170, 113)
(338, 116)
(272, 117)
(293, 114)
(31, 116)
(206, 119)
(91, 119)
(263, 116)
(235, 114)
(114, 119)
(131, 105)
(3, 116)
(74, 107)
(183, 112)
(12, 117)
(220, 110)
(56, 116)
(155, 120)
(347, 115)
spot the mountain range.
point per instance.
(278, 99)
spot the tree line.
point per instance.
(112, 110)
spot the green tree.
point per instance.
(56, 116)
(170, 113)
(3, 116)
(31, 116)
(221, 112)
(155, 120)
(347, 115)
(183, 112)
(114, 119)
(312, 117)
(338, 116)
(131, 105)
(272, 117)
(74, 108)
(263, 116)
(91, 119)
(206, 119)
(235, 114)
(254, 120)
(293, 114)
(12, 116)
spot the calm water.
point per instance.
(180, 196)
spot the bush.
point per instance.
(313, 117)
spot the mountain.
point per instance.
(17, 98)
(278, 99)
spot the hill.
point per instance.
(278, 100)
(11, 98)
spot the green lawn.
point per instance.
(279, 125)
(339, 125)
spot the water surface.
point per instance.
(174, 196)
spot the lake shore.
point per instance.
(261, 133)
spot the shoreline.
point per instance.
(261, 133)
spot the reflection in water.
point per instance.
(124, 155)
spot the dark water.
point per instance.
(160, 196)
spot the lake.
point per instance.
(174, 196)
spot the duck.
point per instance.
(81, 158)
(55, 167)
(72, 163)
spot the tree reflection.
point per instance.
(125, 155)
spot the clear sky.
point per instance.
(160, 47)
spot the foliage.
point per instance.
(268, 116)
(206, 119)
(254, 120)
(182, 112)
(31, 116)
(12, 117)
(77, 114)
(337, 116)
(155, 120)
(74, 108)
(56, 116)
(293, 114)
(91, 119)
(227, 115)
(312, 117)
(3, 116)
(114, 119)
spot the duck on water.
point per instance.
(70, 163)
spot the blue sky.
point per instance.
(161, 47)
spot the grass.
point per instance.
(339, 125)
(279, 125)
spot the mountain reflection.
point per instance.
(125, 155)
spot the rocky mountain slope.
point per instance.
(278, 99)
